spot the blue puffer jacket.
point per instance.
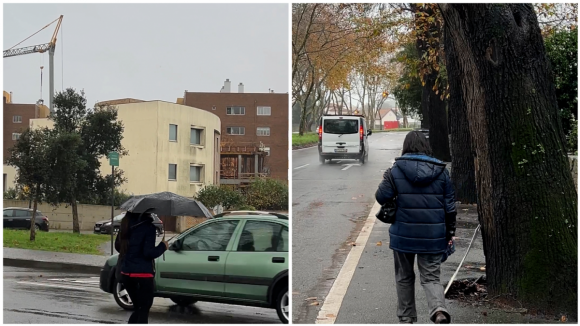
(141, 250)
(425, 196)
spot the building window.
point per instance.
(15, 136)
(236, 110)
(264, 110)
(172, 171)
(17, 119)
(263, 131)
(172, 132)
(213, 107)
(195, 136)
(267, 150)
(236, 130)
(195, 173)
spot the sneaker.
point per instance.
(440, 318)
(405, 320)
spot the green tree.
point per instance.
(267, 194)
(408, 90)
(562, 50)
(212, 195)
(99, 133)
(30, 157)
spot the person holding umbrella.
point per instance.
(137, 253)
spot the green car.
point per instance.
(235, 258)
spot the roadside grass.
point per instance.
(310, 138)
(56, 241)
(396, 129)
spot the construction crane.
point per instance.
(50, 47)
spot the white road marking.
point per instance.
(331, 306)
(301, 166)
(348, 166)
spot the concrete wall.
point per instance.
(60, 218)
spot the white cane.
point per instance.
(455, 274)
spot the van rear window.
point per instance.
(342, 126)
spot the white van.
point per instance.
(343, 137)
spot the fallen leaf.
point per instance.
(294, 293)
(482, 269)
(361, 195)
(380, 243)
(353, 197)
(468, 266)
(563, 319)
(330, 316)
(315, 303)
(311, 298)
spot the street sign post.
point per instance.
(113, 161)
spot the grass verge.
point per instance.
(56, 241)
(310, 138)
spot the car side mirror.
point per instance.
(176, 246)
(369, 132)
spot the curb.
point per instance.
(69, 267)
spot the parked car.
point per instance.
(343, 137)
(19, 218)
(424, 131)
(232, 259)
(104, 227)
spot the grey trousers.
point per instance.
(430, 270)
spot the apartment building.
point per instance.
(171, 147)
(16, 119)
(254, 128)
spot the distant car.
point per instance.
(343, 137)
(239, 259)
(19, 218)
(424, 131)
(104, 227)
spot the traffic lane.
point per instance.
(330, 204)
(37, 296)
(372, 296)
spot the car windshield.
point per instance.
(341, 126)
(119, 217)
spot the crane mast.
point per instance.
(50, 47)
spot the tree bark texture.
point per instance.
(433, 108)
(76, 227)
(32, 220)
(527, 199)
(462, 165)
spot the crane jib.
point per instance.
(27, 50)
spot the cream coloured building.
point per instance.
(171, 147)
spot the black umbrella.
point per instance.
(166, 204)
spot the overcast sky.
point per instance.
(148, 51)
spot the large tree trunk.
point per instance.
(33, 219)
(527, 199)
(76, 227)
(462, 165)
(432, 106)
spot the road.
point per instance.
(41, 297)
(330, 204)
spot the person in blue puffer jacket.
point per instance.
(424, 225)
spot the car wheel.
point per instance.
(282, 305)
(362, 158)
(122, 296)
(183, 302)
(321, 159)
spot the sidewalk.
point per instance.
(371, 296)
(54, 260)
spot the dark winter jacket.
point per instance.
(425, 218)
(141, 250)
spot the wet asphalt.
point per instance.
(33, 296)
(330, 203)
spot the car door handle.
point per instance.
(213, 258)
(278, 259)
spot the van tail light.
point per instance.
(319, 132)
(362, 135)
